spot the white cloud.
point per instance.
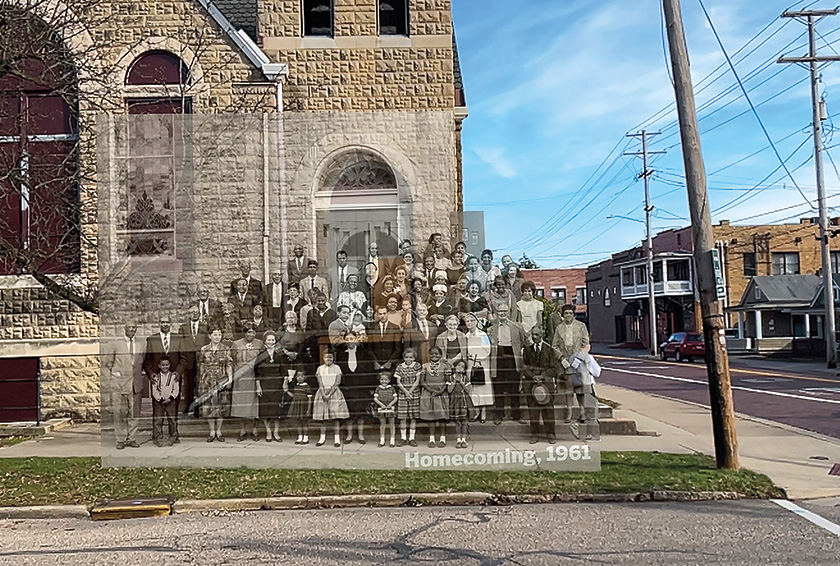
(494, 156)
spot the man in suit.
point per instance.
(422, 333)
(297, 265)
(274, 299)
(385, 341)
(253, 286)
(164, 344)
(507, 339)
(209, 310)
(340, 326)
(340, 273)
(541, 364)
(313, 280)
(383, 266)
(318, 321)
(243, 303)
(193, 336)
(122, 382)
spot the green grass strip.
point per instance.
(43, 481)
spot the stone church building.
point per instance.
(148, 148)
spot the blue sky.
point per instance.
(553, 87)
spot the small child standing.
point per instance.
(300, 409)
(460, 402)
(385, 399)
(166, 391)
(329, 403)
(408, 389)
(584, 370)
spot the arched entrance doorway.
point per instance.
(357, 203)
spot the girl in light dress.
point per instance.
(329, 403)
(408, 392)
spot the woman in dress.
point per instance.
(385, 292)
(369, 285)
(473, 303)
(291, 343)
(215, 365)
(420, 292)
(358, 381)
(409, 263)
(513, 279)
(434, 398)
(442, 260)
(441, 306)
(530, 309)
(295, 302)
(352, 296)
(478, 366)
(245, 404)
(456, 267)
(452, 342)
(499, 295)
(401, 283)
(271, 383)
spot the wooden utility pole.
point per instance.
(717, 360)
(645, 174)
(812, 59)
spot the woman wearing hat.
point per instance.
(441, 306)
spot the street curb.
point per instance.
(45, 512)
(439, 499)
(459, 499)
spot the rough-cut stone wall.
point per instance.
(70, 387)
(356, 71)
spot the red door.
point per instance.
(19, 390)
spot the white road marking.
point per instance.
(738, 387)
(821, 522)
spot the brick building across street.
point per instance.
(617, 287)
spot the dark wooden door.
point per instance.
(19, 390)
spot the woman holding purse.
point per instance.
(478, 366)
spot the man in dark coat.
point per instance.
(193, 336)
(541, 364)
(385, 341)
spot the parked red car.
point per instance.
(683, 346)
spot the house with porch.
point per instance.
(779, 313)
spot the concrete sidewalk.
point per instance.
(794, 459)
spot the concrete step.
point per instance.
(189, 426)
(32, 428)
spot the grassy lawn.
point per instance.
(41, 481)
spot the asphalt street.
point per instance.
(745, 532)
(792, 397)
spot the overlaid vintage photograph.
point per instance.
(419, 281)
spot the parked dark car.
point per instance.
(683, 346)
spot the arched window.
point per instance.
(39, 157)
(153, 151)
(158, 68)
